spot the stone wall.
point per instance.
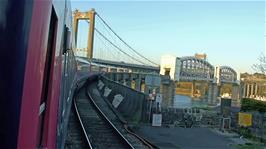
(197, 117)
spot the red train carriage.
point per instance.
(37, 72)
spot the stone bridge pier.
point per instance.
(132, 80)
(213, 93)
(236, 92)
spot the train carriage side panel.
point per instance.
(30, 121)
(15, 20)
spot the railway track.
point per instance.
(75, 136)
(101, 127)
(137, 141)
(98, 130)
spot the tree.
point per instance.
(261, 66)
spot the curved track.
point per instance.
(137, 141)
(99, 131)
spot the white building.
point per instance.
(170, 65)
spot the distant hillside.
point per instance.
(255, 75)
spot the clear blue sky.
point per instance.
(230, 33)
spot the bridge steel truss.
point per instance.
(193, 68)
(228, 75)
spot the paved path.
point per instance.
(184, 138)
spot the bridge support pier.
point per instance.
(236, 95)
(113, 76)
(133, 83)
(118, 78)
(142, 85)
(128, 82)
(193, 88)
(203, 89)
(168, 91)
(138, 83)
(126, 79)
(213, 92)
(124, 82)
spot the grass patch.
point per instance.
(206, 108)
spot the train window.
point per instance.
(46, 88)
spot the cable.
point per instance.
(109, 34)
(103, 43)
(117, 47)
(114, 39)
(124, 41)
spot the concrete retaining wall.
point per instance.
(131, 104)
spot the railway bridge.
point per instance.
(107, 52)
(197, 77)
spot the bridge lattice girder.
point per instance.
(227, 74)
(193, 68)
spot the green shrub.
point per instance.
(248, 104)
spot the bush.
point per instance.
(248, 104)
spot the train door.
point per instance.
(47, 76)
(65, 83)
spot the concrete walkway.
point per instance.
(184, 138)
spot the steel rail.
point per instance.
(81, 123)
(106, 118)
(150, 146)
(124, 122)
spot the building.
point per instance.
(253, 85)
